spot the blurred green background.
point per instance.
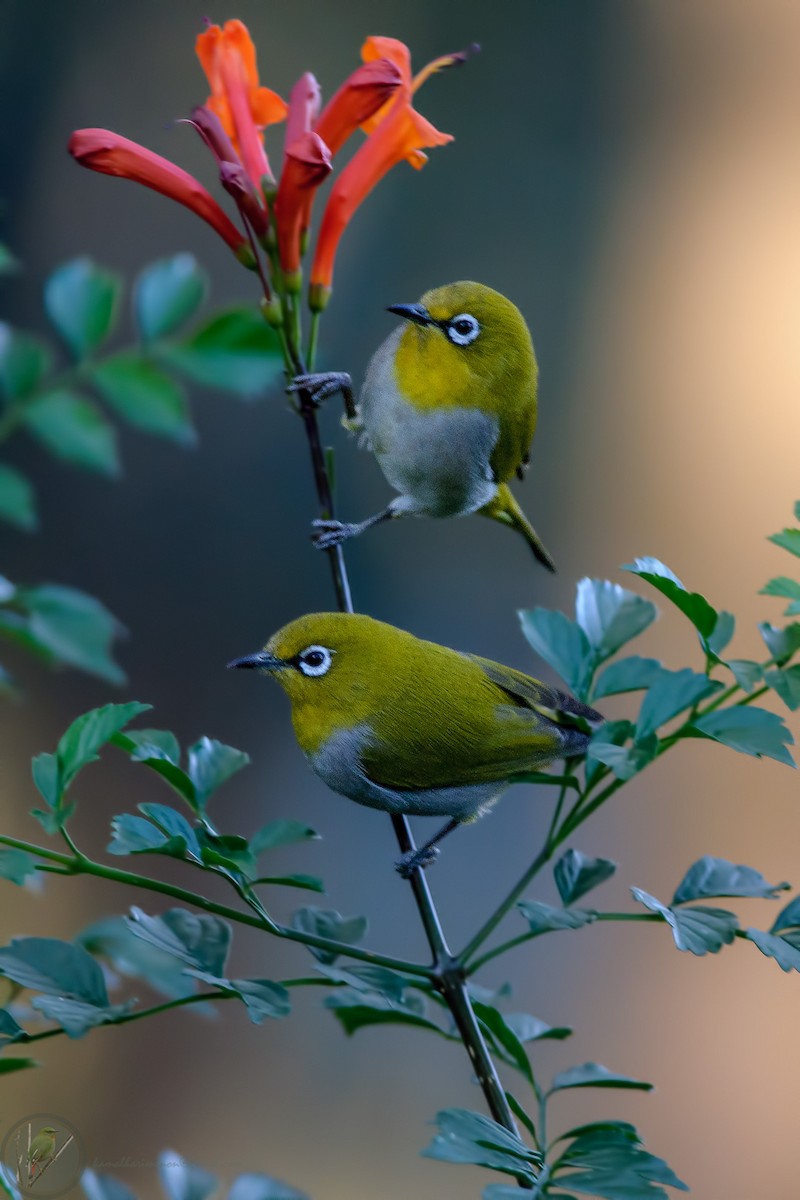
(630, 175)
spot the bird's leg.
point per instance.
(332, 533)
(425, 855)
(324, 384)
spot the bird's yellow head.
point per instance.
(327, 664)
(465, 345)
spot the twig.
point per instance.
(55, 1157)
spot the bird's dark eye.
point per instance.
(315, 660)
(463, 329)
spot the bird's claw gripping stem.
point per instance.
(331, 533)
(414, 860)
(324, 384)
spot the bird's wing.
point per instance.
(528, 726)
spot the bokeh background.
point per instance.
(630, 175)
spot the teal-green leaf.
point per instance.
(308, 883)
(750, 730)
(717, 877)
(356, 1009)
(280, 833)
(77, 1017)
(785, 954)
(103, 1187)
(134, 835)
(787, 539)
(789, 589)
(54, 967)
(181, 1180)
(781, 642)
(499, 1032)
(16, 865)
(262, 997)
(154, 743)
(746, 672)
(611, 615)
(112, 939)
(788, 917)
(470, 1138)
(328, 924)
(7, 1065)
(82, 301)
(592, 1074)
(10, 1031)
(612, 1163)
(17, 504)
(699, 930)
(73, 428)
(235, 350)
(24, 361)
(145, 397)
(561, 643)
(786, 682)
(531, 1029)
(670, 694)
(200, 940)
(543, 918)
(624, 761)
(166, 294)
(212, 763)
(46, 772)
(722, 632)
(86, 736)
(576, 874)
(74, 627)
(627, 675)
(174, 826)
(691, 604)
(254, 1186)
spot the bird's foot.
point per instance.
(322, 385)
(414, 860)
(327, 534)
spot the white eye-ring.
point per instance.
(315, 660)
(463, 329)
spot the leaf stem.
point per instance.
(519, 887)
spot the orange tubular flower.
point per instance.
(396, 132)
(362, 95)
(107, 152)
(307, 163)
(228, 58)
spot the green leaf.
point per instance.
(627, 675)
(504, 1037)
(610, 615)
(309, 883)
(718, 877)
(86, 736)
(24, 361)
(543, 918)
(159, 750)
(262, 1187)
(74, 627)
(624, 761)
(750, 730)
(262, 997)
(788, 588)
(788, 917)
(17, 505)
(73, 429)
(7, 1065)
(77, 1017)
(54, 967)
(145, 397)
(531, 1029)
(562, 644)
(785, 954)
(611, 1163)
(691, 604)
(198, 939)
(135, 835)
(469, 1137)
(328, 924)
(746, 672)
(699, 930)
(16, 865)
(47, 777)
(112, 939)
(212, 763)
(787, 539)
(82, 301)
(166, 294)
(576, 874)
(786, 682)
(235, 350)
(356, 1008)
(103, 1187)
(670, 694)
(781, 643)
(280, 833)
(184, 1181)
(594, 1075)
(10, 1031)
(614, 733)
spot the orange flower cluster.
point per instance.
(377, 98)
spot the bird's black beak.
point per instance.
(417, 313)
(261, 661)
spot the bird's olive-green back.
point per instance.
(436, 717)
(496, 373)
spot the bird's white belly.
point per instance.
(438, 459)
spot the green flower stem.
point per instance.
(87, 866)
(313, 336)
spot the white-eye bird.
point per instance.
(408, 726)
(448, 407)
(43, 1147)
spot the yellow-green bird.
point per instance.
(408, 726)
(43, 1147)
(448, 407)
